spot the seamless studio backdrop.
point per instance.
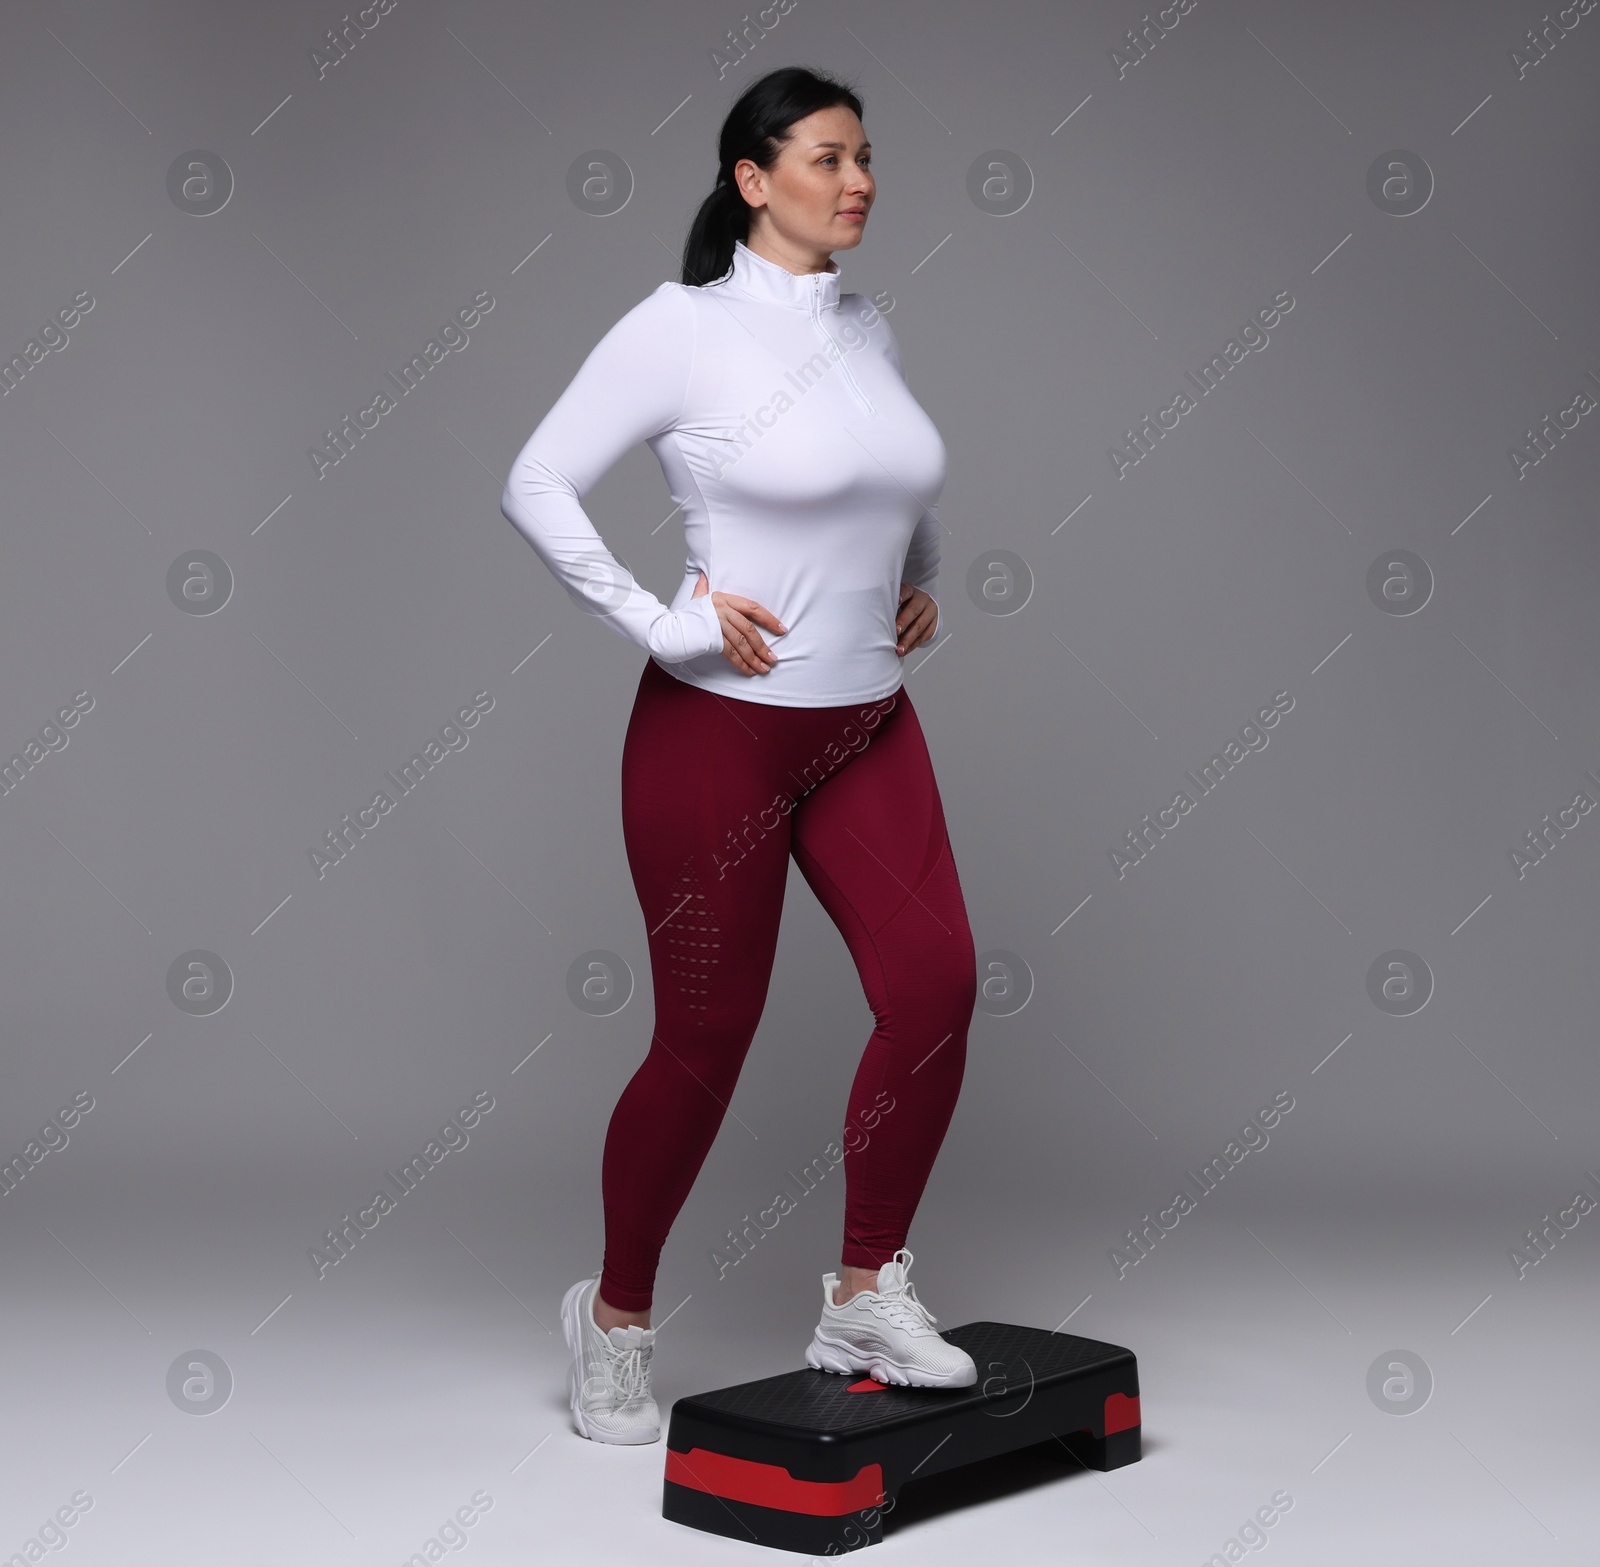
(1264, 343)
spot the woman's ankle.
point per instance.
(607, 1316)
(852, 1281)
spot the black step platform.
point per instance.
(810, 1460)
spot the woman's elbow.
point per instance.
(529, 481)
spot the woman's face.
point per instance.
(817, 195)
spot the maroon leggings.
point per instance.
(717, 793)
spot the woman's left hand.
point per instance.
(916, 621)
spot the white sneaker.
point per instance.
(609, 1378)
(887, 1333)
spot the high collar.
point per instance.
(754, 277)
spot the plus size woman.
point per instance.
(770, 720)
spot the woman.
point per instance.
(770, 720)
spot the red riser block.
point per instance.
(771, 1485)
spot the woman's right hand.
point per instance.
(742, 645)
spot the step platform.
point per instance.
(811, 1460)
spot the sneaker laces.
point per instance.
(627, 1369)
(618, 1374)
(901, 1305)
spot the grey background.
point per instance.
(1168, 204)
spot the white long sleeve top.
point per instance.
(807, 474)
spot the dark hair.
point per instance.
(757, 127)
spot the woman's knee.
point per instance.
(953, 987)
(929, 985)
(707, 1037)
(926, 952)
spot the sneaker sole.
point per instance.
(824, 1354)
(572, 1328)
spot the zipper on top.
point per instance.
(844, 363)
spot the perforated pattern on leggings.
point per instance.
(691, 932)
